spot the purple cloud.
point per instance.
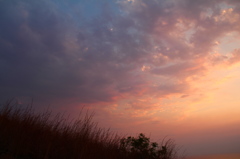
(51, 53)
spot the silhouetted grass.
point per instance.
(28, 135)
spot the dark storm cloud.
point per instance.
(69, 50)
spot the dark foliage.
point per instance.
(27, 135)
(142, 148)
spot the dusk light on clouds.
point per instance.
(167, 68)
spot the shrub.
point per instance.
(142, 148)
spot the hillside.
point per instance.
(28, 135)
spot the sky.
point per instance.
(166, 68)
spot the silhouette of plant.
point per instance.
(142, 148)
(46, 136)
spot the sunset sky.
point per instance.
(166, 68)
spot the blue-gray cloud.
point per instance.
(94, 51)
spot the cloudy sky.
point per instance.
(167, 68)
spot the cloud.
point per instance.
(235, 58)
(60, 51)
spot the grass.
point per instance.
(25, 134)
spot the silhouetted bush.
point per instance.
(142, 148)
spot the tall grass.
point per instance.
(25, 134)
(28, 135)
